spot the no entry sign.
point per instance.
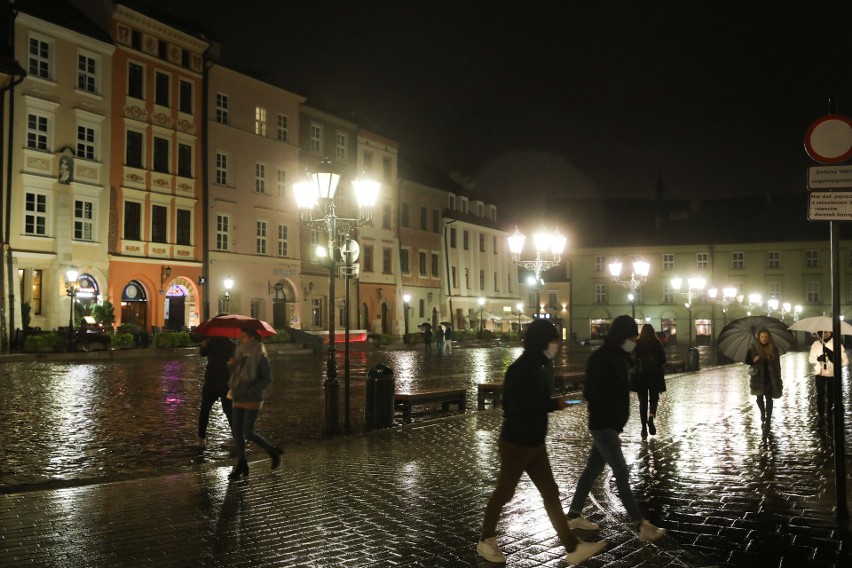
(829, 139)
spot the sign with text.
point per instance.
(830, 177)
(830, 206)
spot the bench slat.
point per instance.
(406, 401)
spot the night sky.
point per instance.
(573, 99)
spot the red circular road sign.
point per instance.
(829, 139)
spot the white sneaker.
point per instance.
(202, 442)
(489, 550)
(585, 550)
(583, 524)
(650, 533)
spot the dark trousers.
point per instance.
(243, 428)
(764, 403)
(514, 461)
(824, 394)
(647, 396)
(208, 399)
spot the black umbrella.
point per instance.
(737, 337)
(425, 325)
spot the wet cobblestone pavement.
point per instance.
(729, 493)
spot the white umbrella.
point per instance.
(820, 323)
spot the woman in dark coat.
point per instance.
(649, 377)
(765, 383)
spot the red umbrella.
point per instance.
(232, 325)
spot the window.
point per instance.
(387, 263)
(452, 203)
(184, 227)
(812, 291)
(774, 259)
(341, 146)
(84, 220)
(260, 121)
(222, 108)
(260, 178)
(531, 301)
(481, 242)
(467, 278)
(368, 161)
(422, 307)
(161, 89)
(39, 58)
(702, 261)
(282, 183)
(386, 168)
(600, 264)
(261, 235)
(482, 280)
(403, 261)
(454, 276)
(404, 215)
(161, 155)
(466, 240)
(282, 240)
(668, 262)
(774, 288)
(738, 260)
(221, 168)
(132, 220)
(368, 258)
(496, 283)
(316, 138)
(811, 259)
(159, 223)
(254, 308)
(35, 216)
(185, 160)
(452, 238)
(424, 271)
(435, 265)
(37, 131)
(668, 294)
(494, 245)
(600, 293)
(551, 300)
(85, 142)
(386, 216)
(134, 156)
(223, 232)
(135, 81)
(316, 312)
(36, 297)
(283, 127)
(87, 73)
(185, 102)
(436, 221)
(424, 219)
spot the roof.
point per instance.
(64, 14)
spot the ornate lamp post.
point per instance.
(228, 285)
(405, 307)
(638, 277)
(316, 196)
(754, 300)
(544, 242)
(797, 310)
(771, 306)
(728, 295)
(71, 286)
(481, 308)
(694, 285)
(520, 307)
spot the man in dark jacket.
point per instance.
(526, 404)
(608, 395)
(217, 350)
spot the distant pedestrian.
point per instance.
(251, 375)
(765, 377)
(608, 396)
(439, 339)
(648, 380)
(448, 339)
(427, 338)
(526, 404)
(218, 351)
(821, 357)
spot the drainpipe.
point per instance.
(205, 192)
(449, 279)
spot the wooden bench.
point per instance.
(675, 366)
(486, 392)
(405, 401)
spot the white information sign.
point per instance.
(830, 206)
(830, 177)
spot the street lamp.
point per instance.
(544, 242)
(481, 308)
(316, 196)
(638, 277)
(694, 285)
(729, 293)
(754, 300)
(520, 307)
(406, 299)
(771, 306)
(228, 285)
(71, 289)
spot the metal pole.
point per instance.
(71, 320)
(842, 511)
(346, 274)
(405, 308)
(332, 385)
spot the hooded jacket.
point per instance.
(606, 389)
(526, 399)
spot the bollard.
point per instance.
(379, 404)
(692, 360)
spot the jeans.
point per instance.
(242, 426)
(208, 399)
(606, 449)
(514, 461)
(646, 396)
(824, 394)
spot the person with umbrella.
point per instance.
(251, 374)
(218, 351)
(765, 383)
(427, 336)
(439, 339)
(821, 357)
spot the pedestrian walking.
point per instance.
(764, 362)
(427, 338)
(448, 339)
(218, 351)
(821, 357)
(250, 376)
(608, 396)
(439, 339)
(526, 404)
(648, 379)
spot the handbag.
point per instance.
(752, 370)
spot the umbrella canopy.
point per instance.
(232, 325)
(736, 337)
(425, 325)
(820, 323)
(445, 323)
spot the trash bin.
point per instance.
(692, 363)
(378, 406)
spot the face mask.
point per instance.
(552, 350)
(629, 346)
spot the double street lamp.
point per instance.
(694, 286)
(638, 276)
(545, 242)
(315, 199)
(229, 283)
(71, 285)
